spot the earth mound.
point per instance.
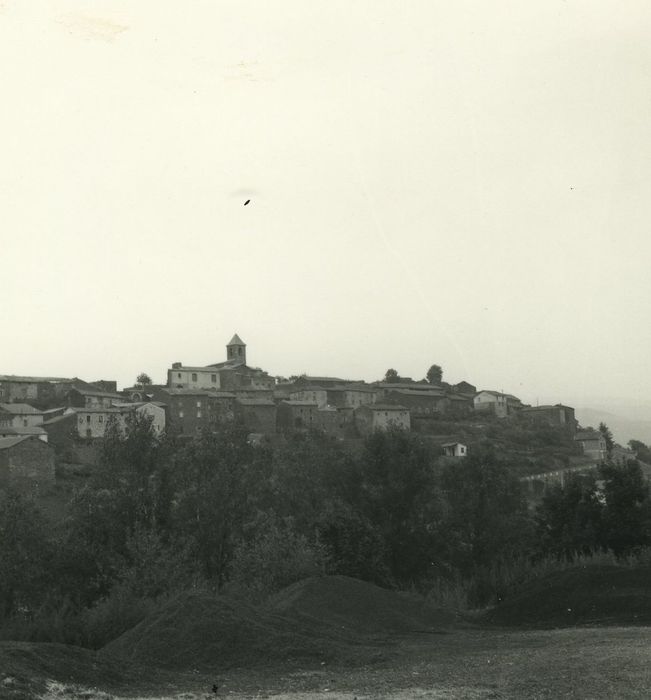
(199, 630)
(604, 594)
(358, 607)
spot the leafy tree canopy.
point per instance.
(434, 374)
(392, 376)
(143, 379)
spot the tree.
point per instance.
(434, 374)
(391, 376)
(570, 518)
(487, 518)
(608, 436)
(400, 498)
(143, 380)
(641, 450)
(627, 507)
(216, 481)
(25, 555)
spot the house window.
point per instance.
(194, 376)
(180, 414)
(101, 419)
(24, 422)
(213, 378)
(178, 375)
(198, 404)
(87, 419)
(89, 433)
(199, 413)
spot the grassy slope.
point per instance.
(603, 594)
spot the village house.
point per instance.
(297, 415)
(26, 463)
(557, 415)
(311, 393)
(22, 415)
(425, 388)
(92, 423)
(419, 403)
(502, 405)
(352, 395)
(14, 388)
(464, 388)
(593, 444)
(381, 416)
(192, 410)
(325, 382)
(34, 430)
(258, 415)
(336, 422)
(155, 410)
(459, 403)
(91, 397)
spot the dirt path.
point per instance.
(595, 663)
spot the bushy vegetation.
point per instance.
(216, 513)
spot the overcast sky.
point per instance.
(460, 183)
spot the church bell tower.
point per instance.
(236, 350)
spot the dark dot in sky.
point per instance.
(247, 201)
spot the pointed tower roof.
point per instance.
(236, 340)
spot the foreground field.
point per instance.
(604, 662)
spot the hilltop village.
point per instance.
(48, 419)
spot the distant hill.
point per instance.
(623, 427)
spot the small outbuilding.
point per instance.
(454, 449)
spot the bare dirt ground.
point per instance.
(595, 663)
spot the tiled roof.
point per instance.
(360, 387)
(423, 394)
(416, 386)
(96, 392)
(292, 402)
(236, 340)
(226, 365)
(385, 407)
(19, 409)
(31, 380)
(207, 369)
(57, 419)
(113, 409)
(498, 393)
(256, 402)
(7, 442)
